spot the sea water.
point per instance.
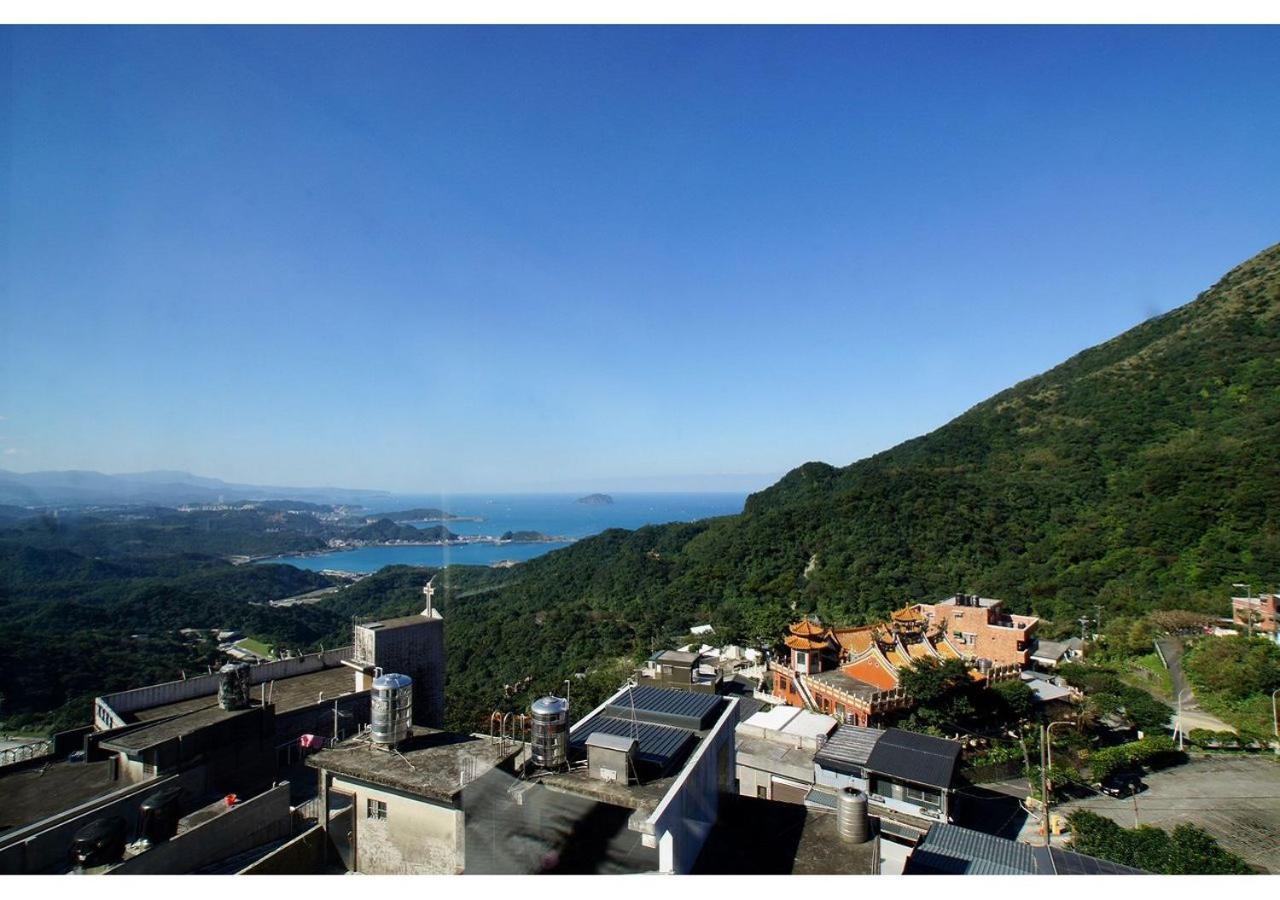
(559, 515)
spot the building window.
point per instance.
(802, 661)
(375, 809)
(762, 792)
(930, 799)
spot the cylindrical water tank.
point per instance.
(852, 822)
(550, 732)
(233, 686)
(391, 709)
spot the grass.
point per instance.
(1149, 674)
(1251, 714)
(253, 645)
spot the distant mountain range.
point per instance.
(166, 488)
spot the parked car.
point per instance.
(1123, 784)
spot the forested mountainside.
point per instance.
(1141, 473)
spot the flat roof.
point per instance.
(287, 694)
(678, 657)
(838, 678)
(35, 792)
(398, 622)
(765, 837)
(149, 736)
(432, 764)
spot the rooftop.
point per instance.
(678, 657)
(432, 764)
(286, 693)
(763, 837)
(952, 850)
(37, 791)
(399, 621)
(842, 680)
(848, 749)
(153, 735)
(919, 758)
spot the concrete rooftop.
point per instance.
(35, 792)
(765, 837)
(432, 764)
(287, 694)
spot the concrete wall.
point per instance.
(109, 707)
(416, 838)
(687, 813)
(415, 649)
(43, 846)
(256, 821)
(304, 855)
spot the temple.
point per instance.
(852, 673)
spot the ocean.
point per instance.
(553, 514)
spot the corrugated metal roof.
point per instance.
(665, 706)
(919, 758)
(953, 850)
(659, 745)
(848, 749)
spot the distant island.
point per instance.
(596, 500)
(528, 537)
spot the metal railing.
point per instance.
(22, 753)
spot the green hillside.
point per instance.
(1141, 473)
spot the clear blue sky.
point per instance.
(450, 259)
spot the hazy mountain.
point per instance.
(82, 488)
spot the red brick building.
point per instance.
(1256, 613)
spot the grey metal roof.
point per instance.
(1051, 650)
(952, 850)
(666, 706)
(659, 745)
(919, 758)
(847, 749)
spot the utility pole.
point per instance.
(1044, 785)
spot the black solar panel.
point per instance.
(664, 706)
(661, 746)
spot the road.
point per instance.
(1193, 716)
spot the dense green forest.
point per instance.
(1140, 474)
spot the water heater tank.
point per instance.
(852, 821)
(391, 709)
(550, 732)
(233, 686)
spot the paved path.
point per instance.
(1192, 715)
(1235, 798)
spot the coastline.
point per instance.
(360, 545)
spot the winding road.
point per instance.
(1192, 716)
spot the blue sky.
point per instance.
(512, 259)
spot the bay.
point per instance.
(559, 515)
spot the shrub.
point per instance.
(1187, 851)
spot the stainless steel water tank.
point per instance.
(852, 822)
(233, 686)
(391, 709)
(550, 732)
